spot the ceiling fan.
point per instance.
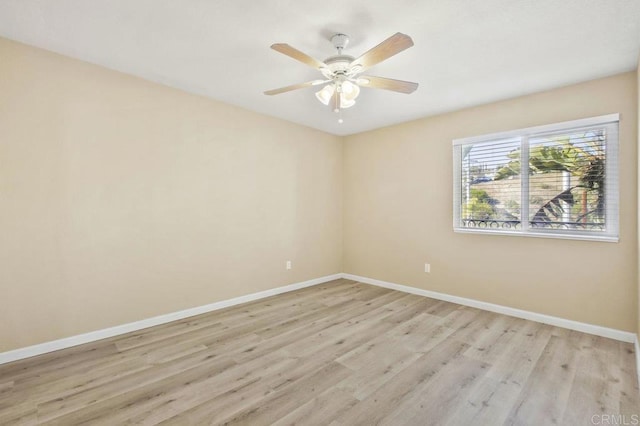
(341, 73)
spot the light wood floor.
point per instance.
(341, 353)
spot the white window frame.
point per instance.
(612, 213)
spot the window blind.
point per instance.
(568, 189)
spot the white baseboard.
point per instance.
(80, 339)
(92, 336)
(597, 330)
(637, 350)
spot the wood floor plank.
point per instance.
(293, 322)
(219, 405)
(434, 401)
(373, 368)
(598, 383)
(126, 387)
(377, 406)
(339, 353)
(490, 400)
(78, 382)
(281, 403)
(496, 339)
(18, 412)
(421, 333)
(55, 365)
(159, 402)
(413, 305)
(321, 410)
(544, 396)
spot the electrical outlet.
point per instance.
(288, 266)
(427, 267)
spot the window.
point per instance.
(569, 191)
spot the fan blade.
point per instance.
(297, 55)
(295, 87)
(391, 46)
(386, 84)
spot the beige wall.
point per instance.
(122, 199)
(398, 213)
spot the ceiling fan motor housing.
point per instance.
(340, 41)
(338, 64)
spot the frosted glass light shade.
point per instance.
(324, 95)
(348, 93)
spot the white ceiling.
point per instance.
(466, 52)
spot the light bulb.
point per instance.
(350, 91)
(324, 95)
(345, 102)
(348, 94)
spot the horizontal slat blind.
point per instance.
(488, 202)
(570, 188)
(567, 180)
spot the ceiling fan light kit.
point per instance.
(342, 82)
(347, 90)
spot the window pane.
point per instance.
(569, 189)
(490, 185)
(567, 180)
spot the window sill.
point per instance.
(599, 238)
